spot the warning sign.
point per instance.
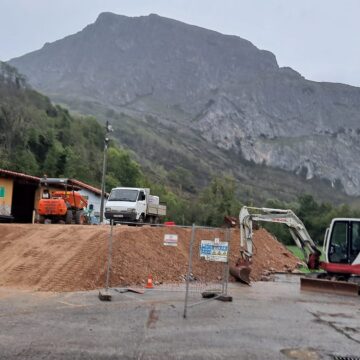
(170, 239)
(214, 250)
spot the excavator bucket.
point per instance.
(241, 271)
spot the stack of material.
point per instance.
(73, 257)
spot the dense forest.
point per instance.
(37, 138)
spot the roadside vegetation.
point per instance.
(299, 254)
(316, 217)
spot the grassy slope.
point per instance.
(298, 253)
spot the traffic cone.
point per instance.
(149, 284)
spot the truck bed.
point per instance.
(159, 210)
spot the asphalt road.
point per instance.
(265, 321)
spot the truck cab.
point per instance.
(126, 204)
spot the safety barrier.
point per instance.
(203, 274)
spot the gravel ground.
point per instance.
(271, 320)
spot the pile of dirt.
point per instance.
(73, 257)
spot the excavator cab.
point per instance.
(342, 246)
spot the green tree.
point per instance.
(25, 161)
(219, 199)
(315, 216)
(182, 178)
(177, 207)
(123, 169)
(52, 165)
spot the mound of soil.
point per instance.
(74, 257)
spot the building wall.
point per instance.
(6, 192)
(38, 195)
(92, 199)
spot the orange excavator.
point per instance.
(61, 205)
(341, 250)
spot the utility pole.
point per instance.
(108, 129)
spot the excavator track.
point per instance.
(329, 286)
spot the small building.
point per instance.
(20, 194)
(17, 196)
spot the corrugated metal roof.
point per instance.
(75, 182)
(18, 175)
(85, 186)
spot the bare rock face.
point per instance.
(222, 87)
(313, 143)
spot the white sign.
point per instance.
(170, 239)
(214, 250)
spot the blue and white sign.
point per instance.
(214, 250)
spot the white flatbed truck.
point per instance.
(134, 205)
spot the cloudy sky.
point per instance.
(318, 38)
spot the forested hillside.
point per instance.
(39, 138)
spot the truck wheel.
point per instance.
(141, 219)
(79, 217)
(69, 217)
(155, 220)
(41, 219)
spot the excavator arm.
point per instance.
(297, 230)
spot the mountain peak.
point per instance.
(106, 16)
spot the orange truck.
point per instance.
(61, 205)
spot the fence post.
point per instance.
(109, 256)
(189, 269)
(227, 267)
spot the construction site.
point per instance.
(52, 275)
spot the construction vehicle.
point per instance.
(134, 205)
(341, 250)
(61, 205)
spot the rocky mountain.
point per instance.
(193, 102)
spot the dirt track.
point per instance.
(73, 257)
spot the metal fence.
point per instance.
(200, 255)
(210, 245)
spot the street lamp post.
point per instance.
(106, 143)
